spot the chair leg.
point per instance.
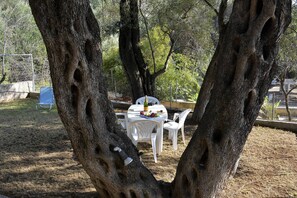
(170, 134)
(174, 139)
(183, 134)
(154, 149)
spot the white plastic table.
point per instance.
(134, 114)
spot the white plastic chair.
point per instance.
(142, 131)
(122, 119)
(151, 100)
(173, 126)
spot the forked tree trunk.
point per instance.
(141, 80)
(134, 64)
(72, 38)
(243, 70)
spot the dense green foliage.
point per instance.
(287, 55)
(191, 24)
(20, 35)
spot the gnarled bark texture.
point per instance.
(241, 71)
(72, 38)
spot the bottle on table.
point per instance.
(145, 104)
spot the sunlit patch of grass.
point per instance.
(28, 104)
(18, 104)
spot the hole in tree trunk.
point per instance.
(104, 165)
(67, 62)
(259, 7)
(248, 102)
(77, 75)
(74, 99)
(122, 176)
(89, 108)
(106, 193)
(77, 26)
(266, 52)
(203, 160)
(132, 194)
(142, 176)
(266, 31)
(145, 194)
(217, 136)
(68, 47)
(88, 51)
(122, 195)
(97, 150)
(236, 44)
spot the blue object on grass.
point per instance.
(46, 98)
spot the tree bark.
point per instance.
(130, 52)
(141, 80)
(244, 67)
(72, 38)
(209, 78)
(241, 74)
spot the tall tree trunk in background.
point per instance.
(243, 68)
(3, 78)
(72, 38)
(141, 80)
(130, 52)
(286, 92)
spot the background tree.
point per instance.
(286, 90)
(142, 81)
(243, 67)
(19, 35)
(287, 59)
(176, 27)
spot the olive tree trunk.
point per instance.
(243, 68)
(72, 38)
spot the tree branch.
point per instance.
(294, 87)
(211, 6)
(148, 36)
(3, 78)
(161, 71)
(223, 7)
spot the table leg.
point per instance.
(160, 139)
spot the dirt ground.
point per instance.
(36, 159)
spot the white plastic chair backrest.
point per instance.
(144, 128)
(122, 119)
(182, 117)
(151, 100)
